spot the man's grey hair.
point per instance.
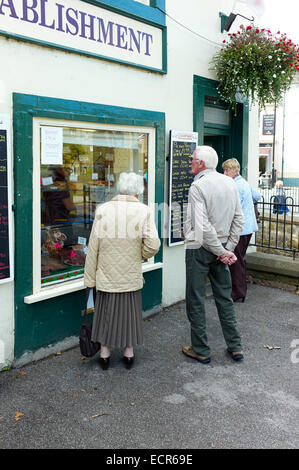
(208, 155)
(130, 184)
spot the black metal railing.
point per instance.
(278, 227)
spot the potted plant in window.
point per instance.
(257, 64)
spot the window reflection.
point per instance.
(92, 163)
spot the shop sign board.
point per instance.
(268, 124)
(85, 28)
(6, 265)
(182, 145)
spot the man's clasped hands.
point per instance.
(228, 258)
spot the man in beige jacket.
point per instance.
(213, 226)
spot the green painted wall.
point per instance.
(49, 321)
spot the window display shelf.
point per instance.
(72, 286)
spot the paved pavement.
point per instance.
(167, 401)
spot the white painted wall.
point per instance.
(6, 324)
(47, 72)
(7, 288)
(286, 132)
(253, 148)
(291, 165)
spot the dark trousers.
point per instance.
(238, 269)
(200, 263)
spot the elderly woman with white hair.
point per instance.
(123, 234)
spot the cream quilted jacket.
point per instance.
(123, 234)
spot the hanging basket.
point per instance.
(256, 64)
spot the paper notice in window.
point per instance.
(47, 181)
(73, 177)
(52, 146)
(81, 241)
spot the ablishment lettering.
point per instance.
(78, 23)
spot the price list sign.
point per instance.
(182, 145)
(5, 246)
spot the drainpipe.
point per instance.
(273, 147)
(283, 136)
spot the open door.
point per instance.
(221, 144)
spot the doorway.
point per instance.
(216, 124)
(220, 143)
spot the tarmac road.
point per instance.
(167, 401)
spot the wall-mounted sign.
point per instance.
(268, 124)
(182, 145)
(84, 28)
(6, 257)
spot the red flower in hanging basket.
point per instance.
(257, 65)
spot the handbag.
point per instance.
(87, 347)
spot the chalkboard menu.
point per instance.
(182, 145)
(5, 261)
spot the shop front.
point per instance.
(64, 168)
(74, 128)
(91, 89)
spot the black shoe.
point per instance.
(128, 361)
(236, 356)
(104, 362)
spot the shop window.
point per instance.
(78, 168)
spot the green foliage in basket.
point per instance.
(257, 64)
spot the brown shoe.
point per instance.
(188, 351)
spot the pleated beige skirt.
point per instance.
(117, 320)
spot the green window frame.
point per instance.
(42, 323)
